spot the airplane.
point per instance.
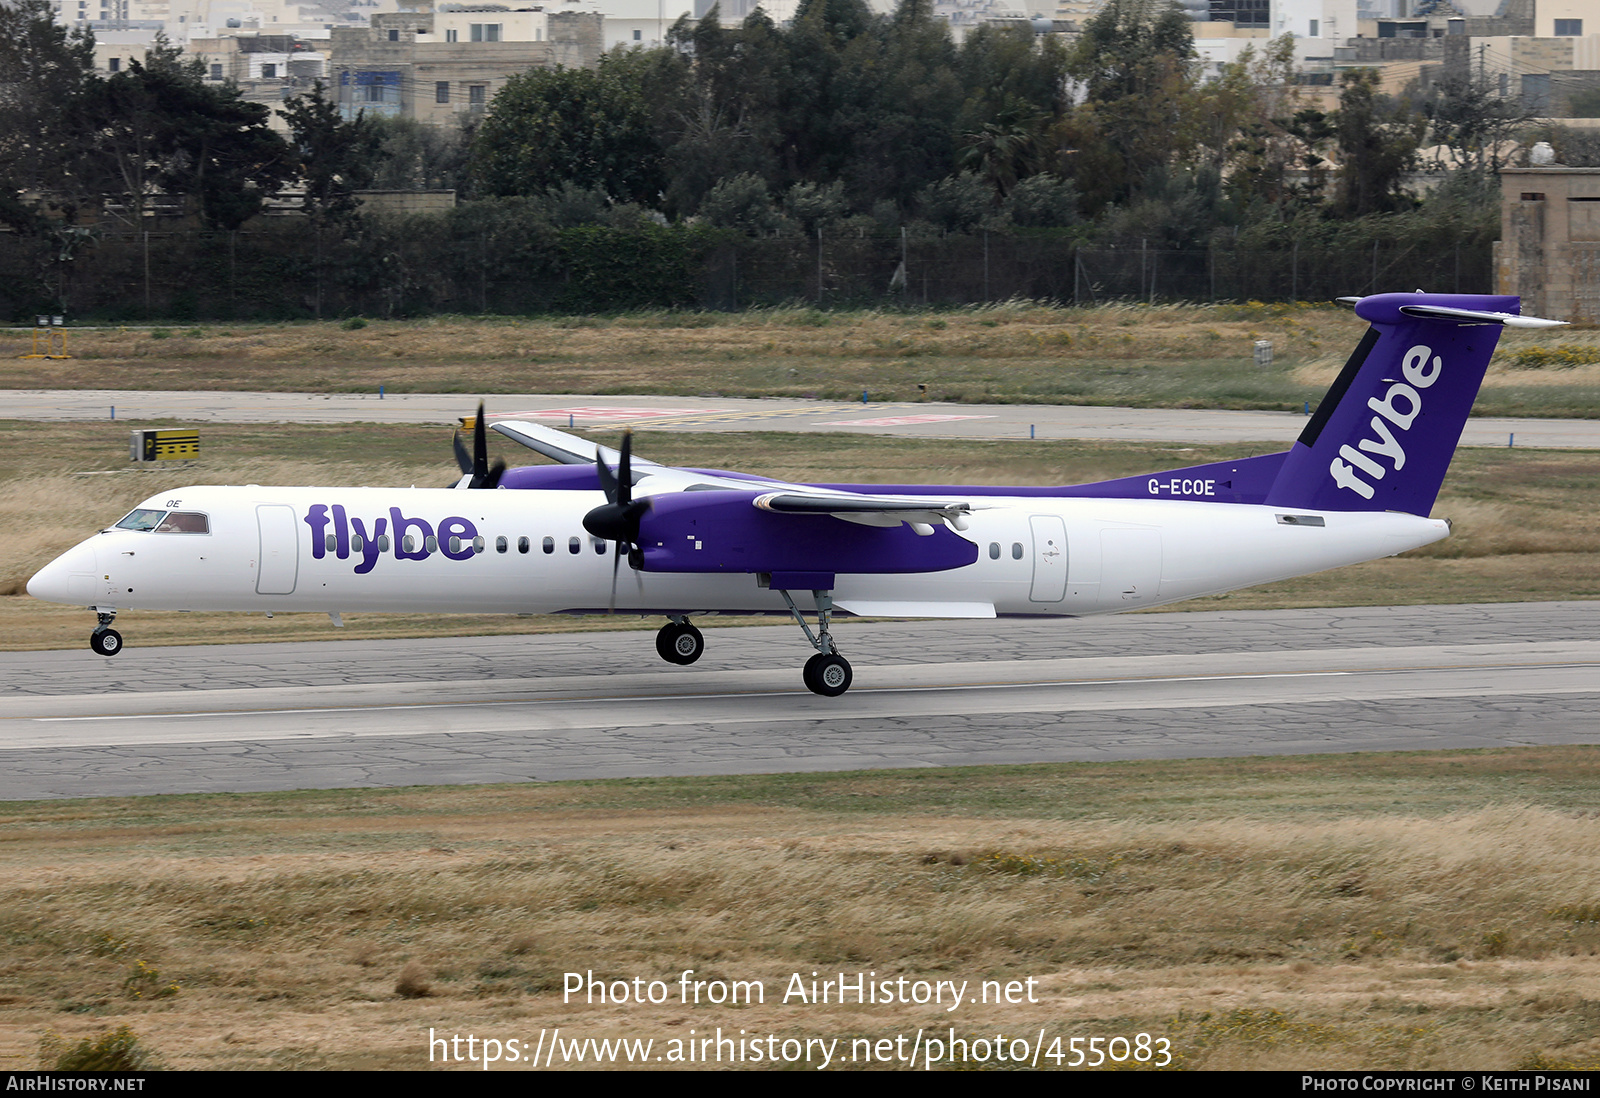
(1357, 485)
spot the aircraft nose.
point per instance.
(69, 578)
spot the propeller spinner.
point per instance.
(617, 520)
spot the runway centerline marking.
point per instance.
(534, 700)
(580, 698)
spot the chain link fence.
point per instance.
(420, 266)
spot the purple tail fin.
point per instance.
(1384, 435)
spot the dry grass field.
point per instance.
(1436, 910)
(1019, 352)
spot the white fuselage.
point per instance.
(1050, 556)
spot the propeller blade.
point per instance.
(625, 469)
(616, 563)
(608, 479)
(479, 473)
(480, 450)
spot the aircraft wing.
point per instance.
(777, 497)
(559, 445)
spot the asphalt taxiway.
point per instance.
(587, 705)
(916, 419)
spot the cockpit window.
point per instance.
(142, 519)
(184, 522)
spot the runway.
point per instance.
(917, 419)
(591, 705)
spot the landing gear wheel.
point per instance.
(680, 642)
(106, 643)
(829, 675)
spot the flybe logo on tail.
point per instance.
(1396, 411)
(335, 532)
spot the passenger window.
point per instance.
(331, 541)
(549, 545)
(574, 545)
(454, 544)
(500, 545)
(477, 545)
(430, 544)
(383, 543)
(599, 548)
(522, 545)
(356, 543)
(1016, 550)
(994, 550)
(409, 543)
(183, 522)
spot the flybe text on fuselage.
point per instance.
(1420, 368)
(343, 535)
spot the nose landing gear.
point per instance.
(105, 641)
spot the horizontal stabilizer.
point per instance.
(1479, 316)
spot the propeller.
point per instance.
(617, 520)
(484, 475)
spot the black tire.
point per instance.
(829, 676)
(681, 644)
(107, 643)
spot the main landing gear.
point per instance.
(105, 641)
(679, 642)
(827, 673)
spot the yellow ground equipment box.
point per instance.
(175, 445)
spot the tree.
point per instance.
(591, 127)
(43, 71)
(1475, 123)
(742, 203)
(1135, 62)
(413, 155)
(1043, 201)
(334, 157)
(160, 128)
(1007, 149)
(1377, 141)
(223, 152)
(1128, 48)
(957, 203)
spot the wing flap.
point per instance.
(869, 510)
(882, 608)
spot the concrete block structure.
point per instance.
(1549, 248)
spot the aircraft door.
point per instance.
(279, 562)
(1049, 558)
(1131, 566)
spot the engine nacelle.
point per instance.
(723, 531)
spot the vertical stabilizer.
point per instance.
(1384, 435)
